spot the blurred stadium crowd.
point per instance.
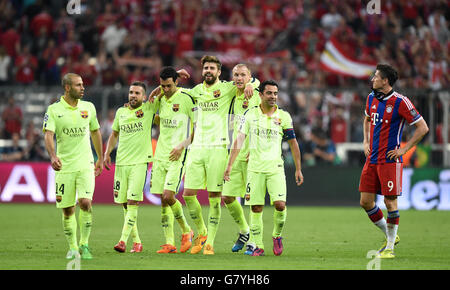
(112, 43)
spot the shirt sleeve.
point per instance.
(152, 106)
(244, 127)
(255, 100)
(408, 111)
(191, 107)
(93, 122)
(115, 125)
(367, 110)
(288, 127)
(49, 121)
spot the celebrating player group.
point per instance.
(194, 142)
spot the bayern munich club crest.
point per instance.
(139, 113)
(175, 107)
(216, 93)
(389, 109)
(84, 114)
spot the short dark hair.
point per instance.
(168, 72)
(211, 58)
(140, 84)
(67, 79)
(263, 85)
(387, 71)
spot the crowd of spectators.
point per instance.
(112, 43)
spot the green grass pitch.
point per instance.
(31, 237)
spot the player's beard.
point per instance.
(212, 78)
(75, 94)
(135, 103)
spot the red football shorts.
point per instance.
(385, 179)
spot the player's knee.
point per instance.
(167, 198)
(228, 199)
(366, 204)
(68, 212)
(257, 208)
(85, 204)
(189, 192)
(391, 203)
(280, 206)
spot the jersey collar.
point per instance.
(274, 115)
(381, 96)
(169, 100)
(63, 101)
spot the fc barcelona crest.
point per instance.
(139, 113)
(176, 107)
(84, 114)
(277, 121)
(216, 93)
(245, 104)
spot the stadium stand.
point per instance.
(112, 43)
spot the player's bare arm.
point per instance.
(237, 145)
(110, 145)
(366, 130)
(248, 91)
(295, 150)
(419, 133)
(50, 146)
(96, 137)
(177, 150)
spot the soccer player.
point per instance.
(132, 128)
(385, 116)
(266, 126)
(72, 121)
(176, 115)
(208, 152)
(238, 175)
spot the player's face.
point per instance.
(377, 81)
(210, 72)
(168, 86)
(136, 96)
(76, 88)
(269, 96)
(241, 76)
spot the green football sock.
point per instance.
(85, 221)
(129, 222)
(167, 224)
(256, 229)
(214, 218)
(177, 210)
(279, 219)
(134, 231)
(70, 231)
(237, 213)
(195, 211)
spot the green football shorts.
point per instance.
(167, 175)
(238, 180)
(129, 182)
(205, 167)
(73, 185)
(259, 182)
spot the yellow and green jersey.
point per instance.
(265, 135)
(176, 116)
(214, 108)
(135, 133)
(239, 107)
(72, 127)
